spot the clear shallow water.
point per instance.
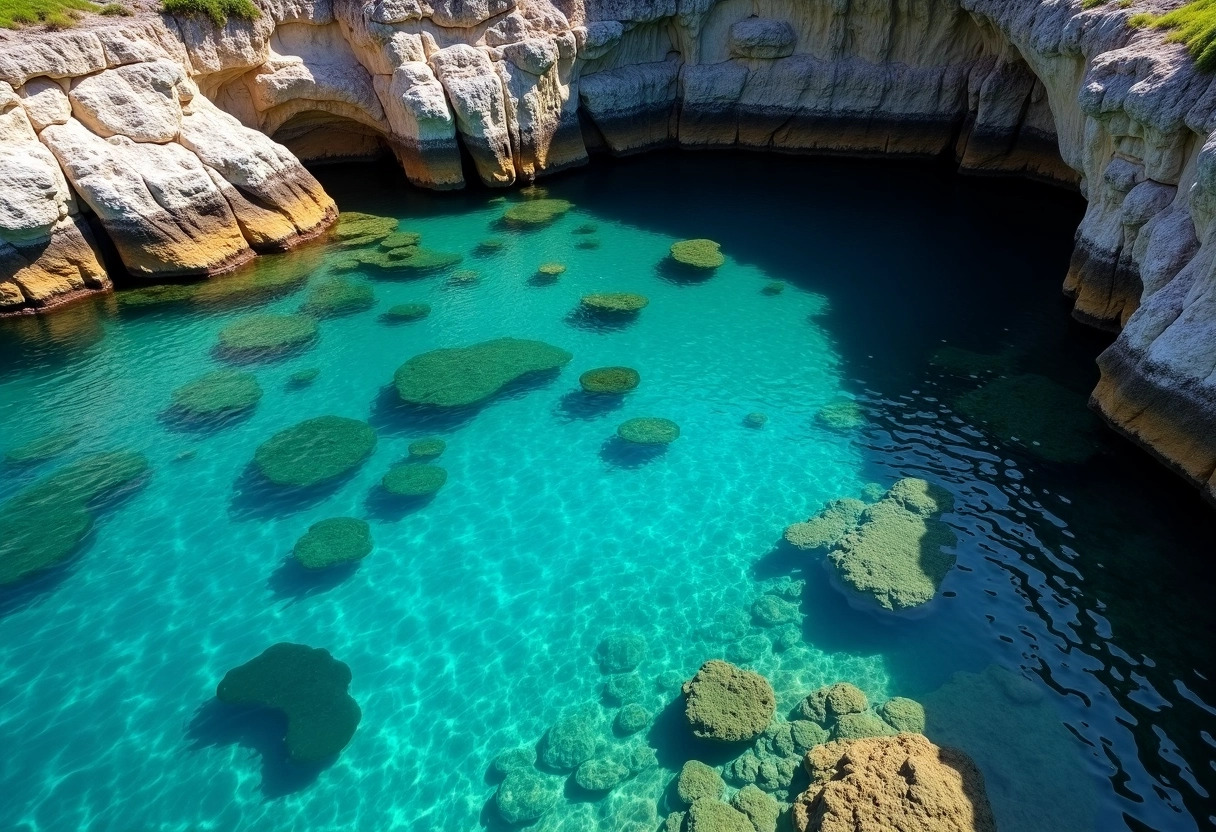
(475, 620)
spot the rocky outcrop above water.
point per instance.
(182, 141)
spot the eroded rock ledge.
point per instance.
(182, 141)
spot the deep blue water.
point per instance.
(475, 620)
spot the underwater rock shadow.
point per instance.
(256, 498)
(390, 508)
(579, 405)
(33, 590)
(679, 274)
(617, 453)
(177, 421)
(292, 583)
(675, 744)
(257, 729)
(391, 415)
(603, 322)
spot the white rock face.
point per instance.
(477, 98)
(140, 101)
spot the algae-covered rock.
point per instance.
(806, 735)
(401, 239)
(42, 448)
(770, 610)
(428, 448)
(490, 245)
(43, 523)
(526, 796)
(514, 759)
(404, 313)
(333, 542)
(748, 649)
(838, 518)
(698, 254)
(586, 228)
(406, 261)
(551, 269)
(729, 623)
(464, 277)
(535, 213)
(414, 480)
(303, 378)
(621, 652)
(624, 688)
(841, 415)
(724, 702)
(315, 450)
(715, 816)
(894, 555)
(613, 303)
(774, 288)
(571, 740)
(156, 295)
(609, 380)
(755, 420)
(631, 719)
(832, 701)
(261, 336)
(461, 376)
(309, 686)
(648, 430)
(866, 784)
(218, 393)
(337, 297)
(600, 774)
(785, 637)
(355, 228)
(698, 781)
(903, 714)
(859, 726)
(761, 809)
(1051, 421)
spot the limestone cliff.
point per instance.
(182, 140)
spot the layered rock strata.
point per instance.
(154, 129)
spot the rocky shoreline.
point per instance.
(184, 143)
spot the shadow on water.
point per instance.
(175, 420)
(579, 405)
(390, 508)
(391, 415)
(291, 582)
(675, 744)
(680, 274)
(31, 591)
(605, 322)
(261, 730)
(256, 498)
(618, 453)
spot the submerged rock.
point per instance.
(723, 702)
(414, 480)
(358, 229)
(514, 759)
(218, 393)
(715, 816)
(895, 556)
(698, 781)
(303, 378)
(551, 269)
(613, 303)
(428, 448)
(600, 775)
(901, 782)
(406, 313)
(572, 740)
(491, 245)
(838, 518)
(832, 701)
(526, 796)
(648, 430)
(755, 420)
(610, 380)
(44, 447)
(698, 254)
(631, 718)
(774, 288)
(43, 523)
(621, 652)
(337, 297)
(761, 809)
(309, 686)
(401, 239)
(462, 376)
(261, 336)
(623, 688)
(315, 450)
(1050, 421)
(535, 213)
(841, 415)
(333, 542)
(903, 714)
(770, 610)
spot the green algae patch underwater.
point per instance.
(315, 451)
(43, 524)
(42, 448)
(613, 303)
(834, 521)
(404, 313)
(414, 480)
(527, 796)
(333, 542)
(841, 415)
(337, 297)
(698, 254)
(264, 336)
(428, 448)
(217, 394)
(726, 703)
(310, 688)
(463, 376)
(648, 430)
(1049, 420)
(354, 228)
(611, 380)
(894, 556)
(535, 213)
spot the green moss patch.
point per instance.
(698, 254)
(551, 269)
(1050, 421)
(337, 296)
(612, 380)
(490, 245)
(55, 14)
(157, 295)
(217, 11)
(315, 451)
(462, 376)
(428, 448)
(535, 213)
(613, 303)
(404, 313)
(358, 229)
(262, 336)
(414, 480)
(42, 448)
(724, 702)
(1193, 24)
(333, 542)
(401, 239)
(218, 393)
(309, 686)
(648, 430)
(755, 420)
(43, 523)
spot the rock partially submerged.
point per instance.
(42, 524)
(337, 297)
(698, 781)
(698, 254)
(834, 521)
(463, 376)
(315, 451)
(535, 213)
(894, 556)
(334, 542)
(724, 702)
(310, 688)
(902, 782)
(613, 303)
(354, 228)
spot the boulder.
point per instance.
(334, 542)
(726, 703)
(698, 781)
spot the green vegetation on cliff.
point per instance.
(1193, 24)
(54, 14)
(218, 11)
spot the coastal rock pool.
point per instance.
(869, 322)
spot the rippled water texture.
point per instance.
(475, 619)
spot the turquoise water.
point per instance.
(475, 620)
